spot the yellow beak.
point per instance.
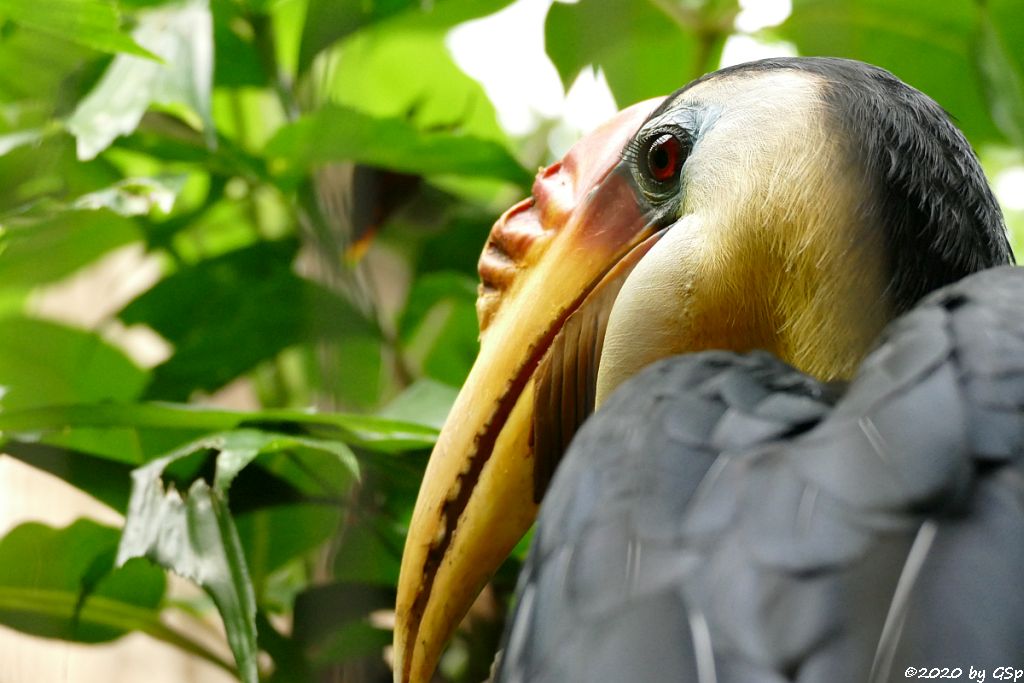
(550, 270)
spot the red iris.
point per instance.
(664, 157)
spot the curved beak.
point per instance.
(550, 271)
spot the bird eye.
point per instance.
(665, 157)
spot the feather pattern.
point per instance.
(724, 518)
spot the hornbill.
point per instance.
(781, 509)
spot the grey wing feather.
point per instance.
(718, 520)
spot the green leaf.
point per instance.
(370, 552)
(341, 134)
(371, 433)
(439, 326)
(61, 583)
(135, 196)
(426, 402)
(332, 621)
(19, 138)
(92, 23)
(273, 536)
(927, 44)
(641, 50)
(182, 35)
(102, 478)
(55, 247)
(373, 73)
(1002, 75)
(330, 20)
(45, 363)
(194, 536)
(226, 314)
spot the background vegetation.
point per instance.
(301, 189)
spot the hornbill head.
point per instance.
(792, 205)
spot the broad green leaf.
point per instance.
(193, 535)
(330, 20)
(927, 44)
(182, 35)
(237, 61)
(53, 248)
(641, 50)
(44, 363)
(226, 314)
(439, 326)
(363, 431)
(92, 23)
(426, 402)
(104, 479)
(70, 573)
(1002, 75)
(401, 68)
(35, 66)
(342, 134)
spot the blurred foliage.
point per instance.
(307, 184)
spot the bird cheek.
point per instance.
(653, 315)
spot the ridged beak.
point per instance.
(550, 271)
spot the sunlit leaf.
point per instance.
(22, 137)
(135, 196)
(331, 20)
(182, 35)
(402, 68)
(1002, 76)
(343, 134)
(93, 23)
(927, 44)
(642, 52)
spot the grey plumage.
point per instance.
(722, 518)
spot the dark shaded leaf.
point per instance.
(105, 480)
(237, 62)
(342, 134)
(332, 621)
(226, 314)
